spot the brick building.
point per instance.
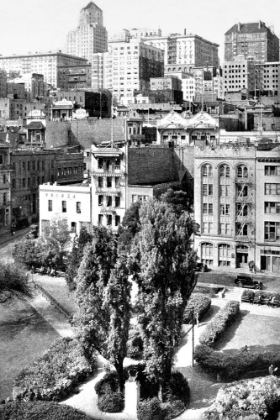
(96, 103)
(5, 185)
(74, 77)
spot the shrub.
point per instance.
(13, 280)
(39, 410)
(197, 307)
(109, 383)
(150, 409)
(232, 364)
(219, 323)
(256, 399)
(177, 389)
(247, 293)
(55, 374)
(113, 402)
(135, 343)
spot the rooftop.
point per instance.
(245, 28)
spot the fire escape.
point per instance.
(244, 222)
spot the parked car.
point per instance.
(34, 232)
(247, 281)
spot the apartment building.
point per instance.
(238, 74)
(74, 77)
(40, 63)
(186, 49)
(90, 36)
(252, 40)
(32, 86)
(236, 205)
(5, 185)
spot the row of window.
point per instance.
(108, 201)
(64, 206)
(241, 209)
(224, 254)
(271, 230)
(26, 182)
(107, 220)
(107, 182)
(242, 171)
(69, 171)
(106, 164)
(241, 190)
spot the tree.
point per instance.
(103, 297)
(28, 252)
(13, 281)
(130, 226)
(179, 200)
(163, 265)
(55, 241)
(76, 256)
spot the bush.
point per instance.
(135, 343)
(219, 323)
(177, 389)
(39, 411)
(109, 383)
(13, 280)
(113, 402)
(28, 252)
(232, 364)
(254, 399)
(197, 307)
(55, 374)
(150, 409)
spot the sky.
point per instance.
(40, 25)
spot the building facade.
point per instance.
(90, 36)
(5, 185)
(253, 40)
(45, 64)
(236, 205)
(71, 202)
(74, 77)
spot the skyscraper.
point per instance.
(90, 36)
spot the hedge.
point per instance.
(197, 307)
(40, 410)
(55, 375)
(135, 343)
(254, 399)
(232, 364)
(150, 409)
(219, 323)
(113, 402)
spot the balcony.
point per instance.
(244, 199)
(107, 172)
(107, 210)
(244, 180)
(7, 167)
(108, 190)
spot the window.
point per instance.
(207, 227)
(28, 166)
(117, 220)
(207, 253)
(242, 210)
(271, 207)
(109, 201)
(207, 171)
(272, 231)
(134, 198)
(224, 255)
(73, 227)
(117, 163)
(242, 190)
(50, 207)
(242, 171)
(207, 189)
(78, 207)
(109, 182)
(117, 182)
(241, 229)
(224, 229)
(34, 165)
(117, 201)
(100, 163)
(13, 183)
(23, 166)
(28, 182)
(272, 189)
(272, 170)
(224, 190)
(224, 209)
(100, 219)
(23, 183)
(100, 182)
(100, 200)
(224, 171)
(4, 179)
(109, 219)
(207, 208)
(64, 207)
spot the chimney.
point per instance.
(239, 26)
(185, 31)
(260, 24)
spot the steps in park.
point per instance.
(234, 294)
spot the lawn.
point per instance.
(251, 330)
(24, 336)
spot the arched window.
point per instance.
(224, 171)
(207, 171)
(207, 253)
(242, 171)
(224, 255)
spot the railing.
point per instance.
(244, 180)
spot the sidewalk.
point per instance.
(6, 237)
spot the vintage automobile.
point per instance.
(247, 281)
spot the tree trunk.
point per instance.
(160, 391)
(120, 372)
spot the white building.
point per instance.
(72, 202)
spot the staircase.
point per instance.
(234, 293)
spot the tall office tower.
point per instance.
(252, 40)
(90, 36)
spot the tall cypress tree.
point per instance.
(163, 264)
